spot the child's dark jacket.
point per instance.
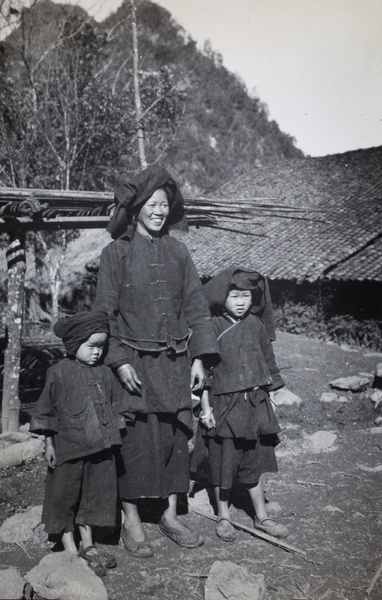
(247, 359)
(80, 406)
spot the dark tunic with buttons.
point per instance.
(79, 407)
(159, 320)
(240, 401)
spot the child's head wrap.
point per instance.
(76, 330)
(130, 196)
(218, 288)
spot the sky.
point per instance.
(317, 64)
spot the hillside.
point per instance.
(199, 119)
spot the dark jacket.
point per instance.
(154, 297)
(247, 358)
(80, 406)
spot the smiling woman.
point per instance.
(153, 214)
(160, 332)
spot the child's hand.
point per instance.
(50, 456)
(208, 421)
(129, 378)
(206, 417)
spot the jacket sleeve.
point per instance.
(117, 400)
(109, 279)
(196, 310)
(44, 415)
(107, 299)
(266, 346)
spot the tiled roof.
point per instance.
(340, 238)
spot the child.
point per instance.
(77, 413)
(238, 411)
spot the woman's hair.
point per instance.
(132, 194)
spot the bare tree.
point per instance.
(137, 97)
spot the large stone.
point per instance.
(378, 375)
(201, 502)
(21, 452)
(13, 437)
(375, 396)
(274, 509)
(320, 441)
(227, 580)
(355, 383)
(11, 584)
(329, 397)
(22, 526)
(316, 443)
(287, 398)
(64, 576)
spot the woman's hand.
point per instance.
(198, 376)
(50, 453)
(129, 378)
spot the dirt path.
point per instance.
(329, 489)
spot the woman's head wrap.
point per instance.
(218, 288)
(76, 330)
(131, 195)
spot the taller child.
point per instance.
(159, 324)
(238, 413)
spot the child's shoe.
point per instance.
(93, 560)
(270, 526)
(225, 530)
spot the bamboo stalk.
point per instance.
(256, 532)
(373, 581)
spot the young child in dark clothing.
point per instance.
(78, 414)
(237, 413)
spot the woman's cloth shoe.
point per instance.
(186, 539)
(225, 530)
(270, 526)
(136, 549)
(94, 560)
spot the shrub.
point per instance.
(305, 319)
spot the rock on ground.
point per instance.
(287, 398)
(329, 397)
(230, 581)
(321, 441)
(375, 396)
(11, 584)
(274, 509)
(21, 526)
(64, 576)
(20, 452)
(355, 383)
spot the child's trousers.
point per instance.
(81, 492)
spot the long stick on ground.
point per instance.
(256, 532)
(373, 581)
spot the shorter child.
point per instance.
(77, 413)
(238, 413)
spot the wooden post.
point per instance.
(14, 321)
(137, 97)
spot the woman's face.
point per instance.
(153, 214)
